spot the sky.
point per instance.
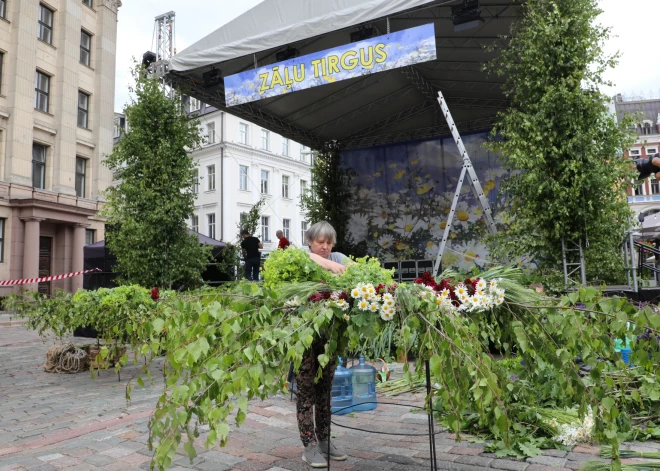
(634, 23)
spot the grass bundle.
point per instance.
(602, 466)
(606, 452)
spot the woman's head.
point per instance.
(321, 237)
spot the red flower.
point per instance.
(155, 294)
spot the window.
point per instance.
(38, 166)
(45, 24)
(196, 182)
(285, 186)
(655, 186)
(210, 218)
(90, 236)
(264, 182)
(651, 150)
(210, 132)
(3, 11)
(635, 152)
(286, 227)
(88, 3)
(303, 187)
(83, 110)
(242, 178)
(647, 128)
(210, 173)
(194, 223)
(2, 233)
(303, 232)
(285, 147)
(243, 133)
(81, 172)
(41, 91)
(637, 188)
(195, 104)
(265, 138)
(85, 48)
(2, 58)
(265, 228)
(243, 219)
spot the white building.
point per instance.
(238, 164)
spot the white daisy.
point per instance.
(386, 241)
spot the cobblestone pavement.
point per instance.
(54, 422)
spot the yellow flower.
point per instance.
(374, 307)
(463, 216)
(399, 175)
(346, 317)
(364, 305)
(355, 293)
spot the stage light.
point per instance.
(211, 78)
(148, 58)
(286, 54)
(362, 34)
(466, 16)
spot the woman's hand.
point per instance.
(333, 267)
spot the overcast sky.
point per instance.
(635, 22)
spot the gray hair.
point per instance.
(322, 229)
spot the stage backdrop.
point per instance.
(403, 197)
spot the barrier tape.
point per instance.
(44, 279)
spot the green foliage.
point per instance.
(366, 268)
(291, 266)
(252, 218)
(330, 195)
(560, 141)
(147, 210)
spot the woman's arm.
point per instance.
(332, 267)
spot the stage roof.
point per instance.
(386, 107)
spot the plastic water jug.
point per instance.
(364, 386)
(342, 390)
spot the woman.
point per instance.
(313, 399)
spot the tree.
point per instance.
(147, 210)
(559, 140)
(330, 195)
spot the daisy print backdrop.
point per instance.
(403, 197)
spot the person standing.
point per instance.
(284, 242)
(250, 247)
(313, 399)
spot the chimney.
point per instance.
(619, 98)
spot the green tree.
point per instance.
(559, 139)
(147, 210)
(330, 195)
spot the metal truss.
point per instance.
(465, 43)
(343, 93)
(459, 102)
(248, 112)
(420, 83)
(392, 97)
(414, 134)
(453, 66)
(484, 86)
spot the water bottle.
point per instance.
(342, 390)
(364, 386)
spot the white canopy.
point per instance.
(275, 23)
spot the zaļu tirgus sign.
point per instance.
(400, 49)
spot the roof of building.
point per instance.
(648, 109)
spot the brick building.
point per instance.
(645, 198)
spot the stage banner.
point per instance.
(373, 55)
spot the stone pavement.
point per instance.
(52, 422)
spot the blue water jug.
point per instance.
(342, 390)
(364, 386)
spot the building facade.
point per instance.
(644, 199)
(57, 60)
(239, 163)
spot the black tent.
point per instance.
(97, 255)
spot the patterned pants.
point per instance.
(313, 399)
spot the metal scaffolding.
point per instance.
(164, 35)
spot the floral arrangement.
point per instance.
(473, 295)
(566, 427)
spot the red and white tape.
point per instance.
(44, 279)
